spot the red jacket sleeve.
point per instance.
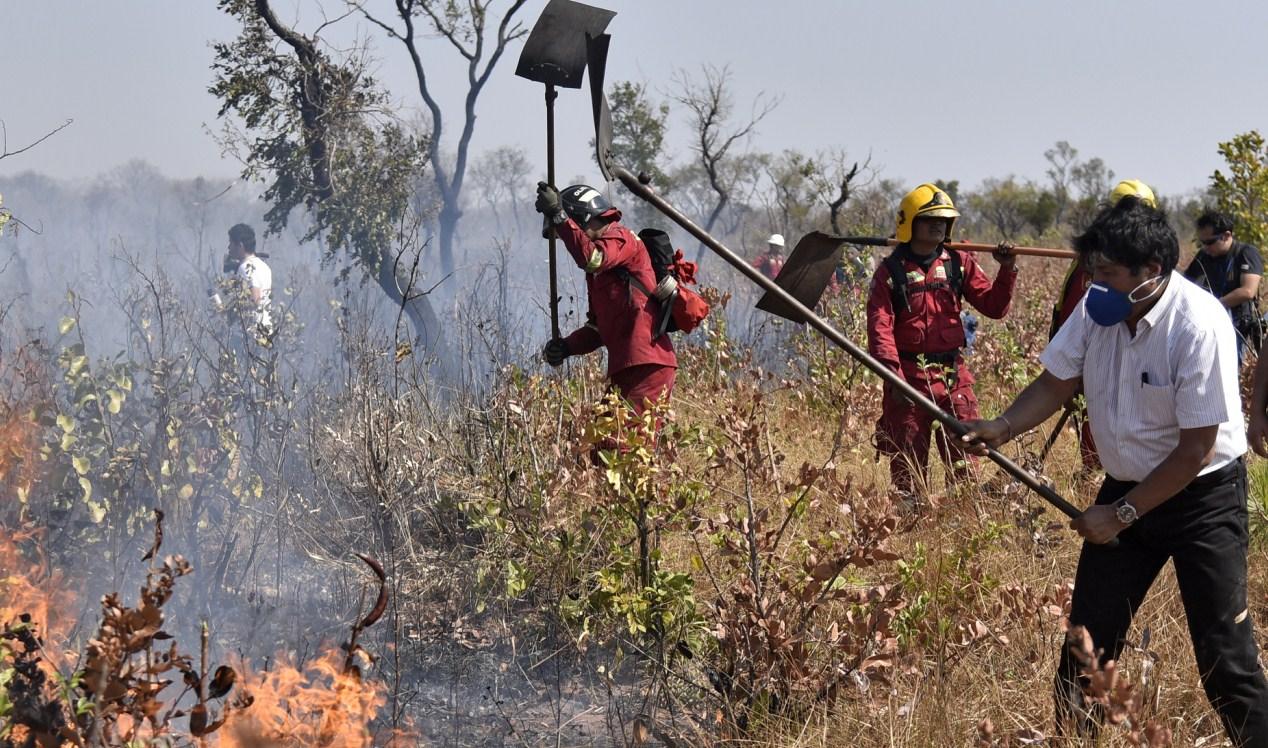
(611, 250)
(1071, 293)
(991, 299)
(880, 321)
(584, 339)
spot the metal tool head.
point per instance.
(597, 57)
(555, 53)
(805, 274)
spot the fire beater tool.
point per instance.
(639, 185)
(555, 54)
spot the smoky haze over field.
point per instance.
(92, 236)
(86, 235)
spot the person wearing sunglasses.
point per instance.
(1230, 270)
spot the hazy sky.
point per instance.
(932, 90)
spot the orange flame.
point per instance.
(19, 433)
(318, 705)
(15, 441)
(29, 587)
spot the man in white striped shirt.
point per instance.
(1157, 359)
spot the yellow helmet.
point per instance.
(926, 201)
(1135, 188)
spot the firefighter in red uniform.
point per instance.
(772, 261)
(641, 364)
(1073, 288)
(914, 328)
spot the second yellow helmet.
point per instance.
(1135, 188)
(927, 200)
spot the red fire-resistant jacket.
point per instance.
(621, 319)
(769, 264)
(1072, 290)
(932, 324)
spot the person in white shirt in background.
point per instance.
(255, 279)
(1157, 358)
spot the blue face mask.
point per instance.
(1107, 306)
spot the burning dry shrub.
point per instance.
(114, 698)
(31, 712)
(31, 591)
(183, 421)
(32, 600)
(23, 386)
(320, 703)
(121, 692)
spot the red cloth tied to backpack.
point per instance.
(682, 308)
(683, 270)
(689, 308)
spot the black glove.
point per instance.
(548, 202)
(555, 352)
(1003, 254)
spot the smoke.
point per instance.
(273, 462)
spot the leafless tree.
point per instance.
(466, 27)
(711, 107)
(791, 198)
(836, 183)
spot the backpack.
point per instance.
(681, 308)
(898, 279)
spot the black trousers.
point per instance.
(1203, 530)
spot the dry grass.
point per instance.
(454, 500)
(938, 704)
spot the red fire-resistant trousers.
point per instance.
(640, 386)
(902, 432)
(644, 384)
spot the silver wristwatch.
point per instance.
(1125, 512)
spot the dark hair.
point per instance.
(1217, 221)
(244, 235)
(1130, 233)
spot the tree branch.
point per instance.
(405, 9)
(450, 33)
(301, 44)
(4, 139)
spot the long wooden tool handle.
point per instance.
(873, 241)
(550, 179)
(952, 424)
(1030, 251)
